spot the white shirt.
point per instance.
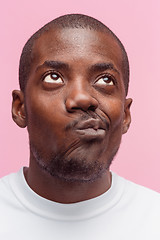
(126, 211)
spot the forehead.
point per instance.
(83, 45)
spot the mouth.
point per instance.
(91, 129)
(90, 133)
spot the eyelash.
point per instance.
(50, 73)
(109, 76)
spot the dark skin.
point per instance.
(74, 107)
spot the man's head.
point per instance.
(78, 21)
(74, 80)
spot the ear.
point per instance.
(18, 110)
(127, 115)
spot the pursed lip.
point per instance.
(90, 123)
(91, 129)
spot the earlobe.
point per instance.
(18, 109)
(127, 115)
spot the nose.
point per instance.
(79, 98)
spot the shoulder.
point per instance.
(141, 191)
(132, 187)
(139, 197)
(4, 184)
(139, 206)
(6, 190)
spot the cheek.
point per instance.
(117, 114)
(114, 111)
(45, 119)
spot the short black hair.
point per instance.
(67, 21)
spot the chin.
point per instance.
(76, 170)
(78, 166)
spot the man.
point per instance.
(74, 77)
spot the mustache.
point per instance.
(86, 116)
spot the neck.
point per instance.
(55, 189)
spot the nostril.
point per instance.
(81, 101)
(92, 108)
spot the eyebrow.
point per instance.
(98, 67)
(53, 64)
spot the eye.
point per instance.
(53, 78)
(105, 80)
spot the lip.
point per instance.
(91, 129)
(90, 133)
(91, 123)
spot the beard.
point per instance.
(73, 169)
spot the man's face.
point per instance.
(75, 103)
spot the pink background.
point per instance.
(137, 25)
